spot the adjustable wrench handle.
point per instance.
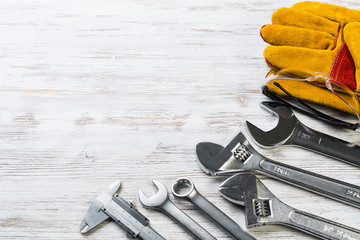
(188, 223)
(321, 227)
(324, 144)
(328, 187)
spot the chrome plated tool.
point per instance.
(290, 131)
(185, 188)
(263, 208)
(162, 202)
(108, 204)
(240, 156)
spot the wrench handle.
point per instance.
(321, 227)
(324, 144)
(328, 187)
(219, 217)
(188, 223)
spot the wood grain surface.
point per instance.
(97, 91)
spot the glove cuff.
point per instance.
(312, 93)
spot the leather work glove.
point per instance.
(316, 38)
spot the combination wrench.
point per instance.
(162, 202)
(290, 131)
(185, 188)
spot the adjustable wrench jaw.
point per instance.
(263, 208)
(236, 157)
(94, 216)
(283, 130)
(246, 190)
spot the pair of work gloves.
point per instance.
(317, 43)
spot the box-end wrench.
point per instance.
(263, 208)
(239, 156)
(162, 202)
(290, 131)
(185, 188)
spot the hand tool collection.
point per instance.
(240, 161)
(292, 50)
(108, 204)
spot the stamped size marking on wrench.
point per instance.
(185, 188)
(162, 202)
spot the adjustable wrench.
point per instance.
(208, 208)
(262, 208)
(110, 205)
(240, 156)
(162, 202)
(290, 131)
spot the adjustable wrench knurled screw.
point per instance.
(217, 160)
(185, 188)
(262, 207)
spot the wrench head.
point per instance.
(215, 159)
(94, 216)
(283, 130)
(186, 185)
(206, 153)
(246, 190)
(158, 199)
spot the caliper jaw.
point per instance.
(108, 204)
(94, 216)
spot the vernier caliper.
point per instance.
(108, 204)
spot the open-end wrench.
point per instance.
(290, 131)
(162, 202)
(189, 192)
(239, 156)
(262, 208)
(108, 204)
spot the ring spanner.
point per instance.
(240, 156)
(290, 131)
(263, 208)
(162, 202)
(208, 208)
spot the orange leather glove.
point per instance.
(316, 38)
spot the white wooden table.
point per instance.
(97, 91)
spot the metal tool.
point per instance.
(162, 202)
(181, 185)
(290, 131)
(240, 156)
(110, 205)
(263, 208)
